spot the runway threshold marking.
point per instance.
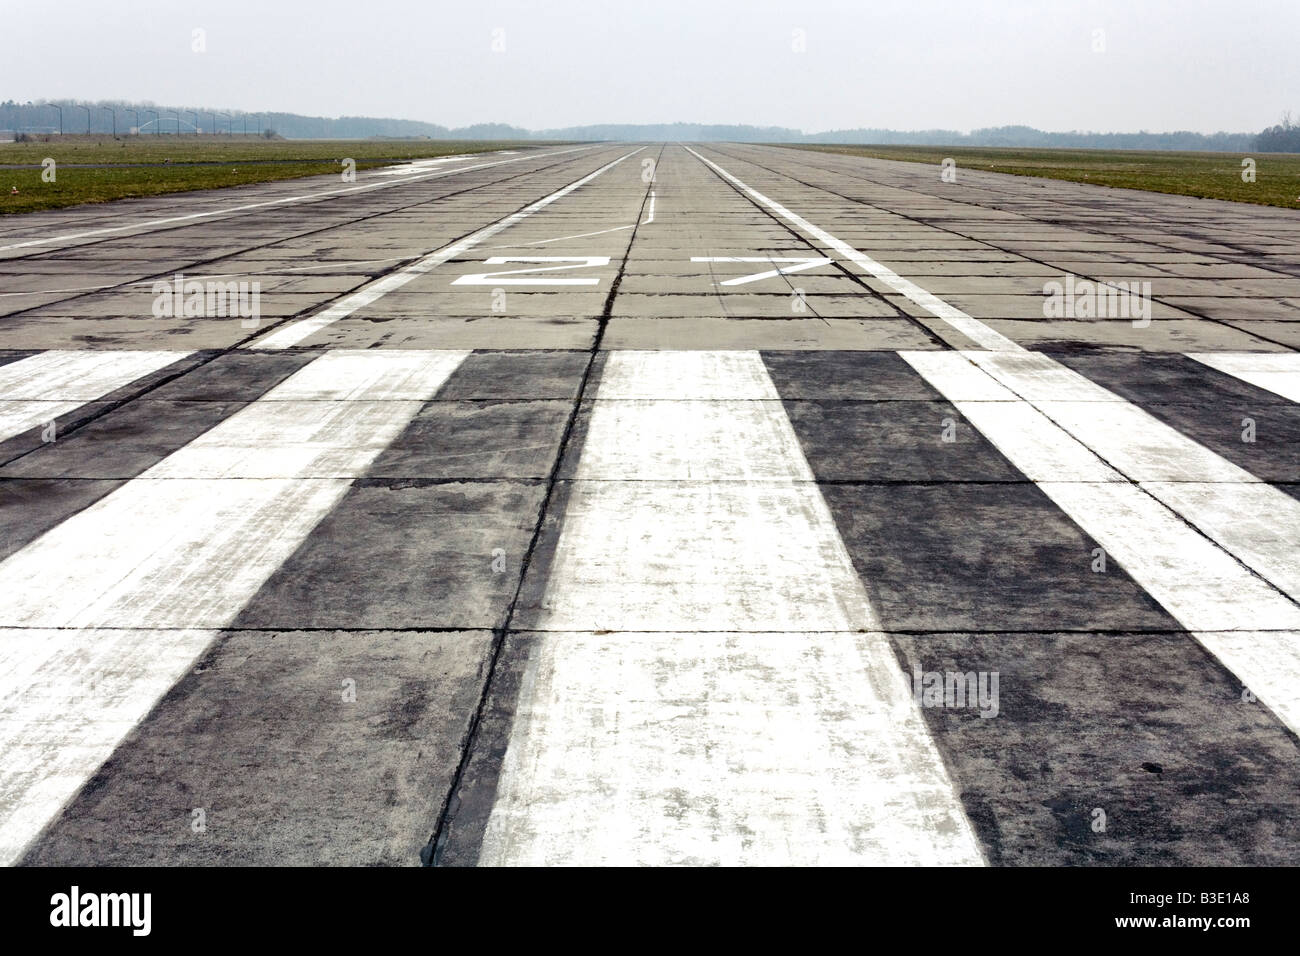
(106, 611)
(1208, 550)
(746, 708)
(305, 197)
(297, 332)
(40, 388)
(1180, 505)
(1276, 372)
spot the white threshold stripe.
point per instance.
(284, 200)
(104, 612)
(1151, 541)
(969, 326)
(38, 389)
(746, 708)
(1190, 544)
(297, 332)
(1277, 372)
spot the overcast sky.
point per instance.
(1203, 65)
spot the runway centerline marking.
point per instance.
(296, 332)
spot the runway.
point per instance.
(651, 504)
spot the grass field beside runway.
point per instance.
(92, 169)
(1203, 175)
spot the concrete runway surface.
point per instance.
(630, 503)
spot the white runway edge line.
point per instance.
(1277, 372)
(286, 200)
(40, 388)
(303, 329)
(968, 326)
(103, 613)
(708, 684)
(1250, 626)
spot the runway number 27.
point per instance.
(530, 276)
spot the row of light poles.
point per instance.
(157, 119)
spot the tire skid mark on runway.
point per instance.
(789, 734)
(162, 562)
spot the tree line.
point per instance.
(106, 116)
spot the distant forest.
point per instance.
(76, 116)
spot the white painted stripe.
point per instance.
(245, 207)
(109, 608)
(651, 217)
(1201, 585)
(786, 735)
(582, 235)
(1278, 372)
(969, 326)
(40, 388)
(1191, 545)
(1270, 658)
(804, 263)
(67, 698)
(297, 332)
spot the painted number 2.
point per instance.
(530, 276)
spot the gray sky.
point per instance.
(1167, 64)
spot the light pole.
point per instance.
(214, 122)
(60, 109)
(87, 109)
(195, 114)
(157, 122)
(178, 122)
(136, 114)
(112, 112)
